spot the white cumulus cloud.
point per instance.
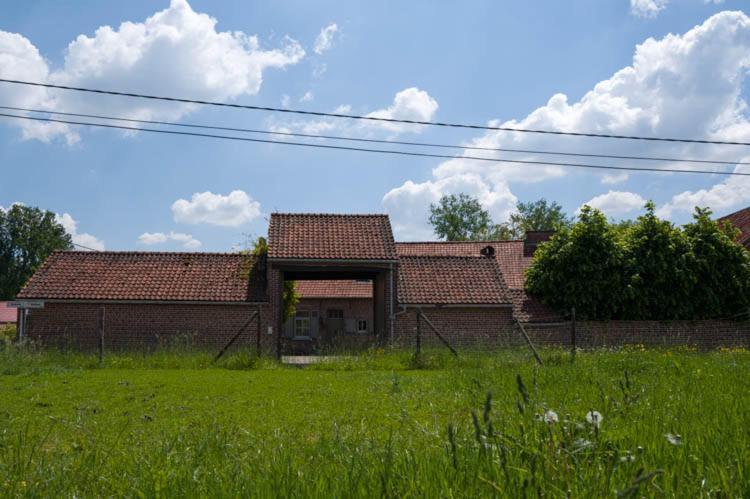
(187, 241)
(614, 178)
(408, 104)
(232, 210)
(664, 92)
(85, 240)
(617, 203)
(647, 8)
(325, 39)
(176, 51)
(733, 192)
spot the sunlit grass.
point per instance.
(172, 423)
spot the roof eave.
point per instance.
(277, 259)
(457, 305)
(119, 301)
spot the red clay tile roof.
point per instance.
(512, 264)
(740, 220)
(509, 255)
(7, 314)
(330, 237)
(210, 277)
(450, 280)
(334, 289)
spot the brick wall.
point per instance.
(472, 328)
(143, 326)
(594, 334)
(463, 327)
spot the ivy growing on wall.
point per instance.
(290, 297)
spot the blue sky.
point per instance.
(647, 67)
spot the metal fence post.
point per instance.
(101, 334)
(419, 331)
(572, 334)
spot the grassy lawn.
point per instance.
(674, 423)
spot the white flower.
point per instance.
(595, 418)
(550, 417)
(581, 443)
(673, 439)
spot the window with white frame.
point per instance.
(361, 325)
(302, 324)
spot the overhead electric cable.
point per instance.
(84, 247)
(380, 151)
(378, 141)
(372, 118)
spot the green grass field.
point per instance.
(674, 423)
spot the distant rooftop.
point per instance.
(334, 289)
(740, 220)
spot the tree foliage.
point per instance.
(581, 266)
(647, 269)
(27, 236)
(658, 280)
(534, 215)
(720, 267)
(462, 218)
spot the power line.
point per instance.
(380, 151)
(84, 247)
(379, 141)
(373, 118)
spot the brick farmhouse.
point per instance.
(357, 288)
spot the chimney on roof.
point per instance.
(488, 251)
(533, 239)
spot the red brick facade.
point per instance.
(461, 326)
(147, 325)
(153, 325)
(353, 309)
(597, 334)
(469, 328)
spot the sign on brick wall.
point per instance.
(26, 304)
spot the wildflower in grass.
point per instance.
(673, 438)
(595, 418)
(581, 443)
(550, 417)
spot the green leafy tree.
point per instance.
(645, 269)
(720, 268)
(580, 267)
(460, 218)
(27, 236)
(534, 215)
(658, 278)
